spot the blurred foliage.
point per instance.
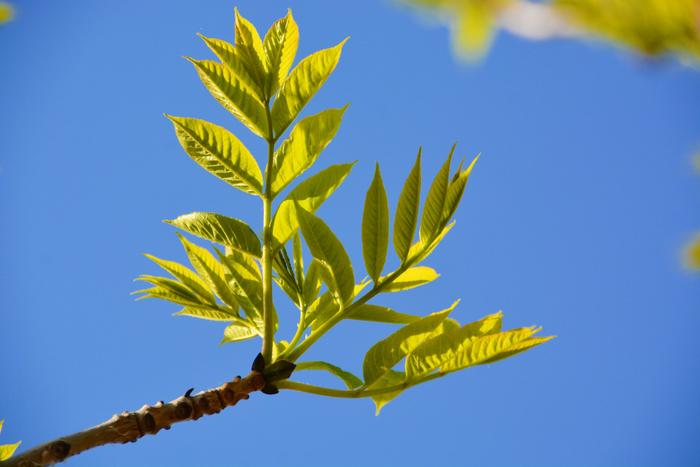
(692, 252)
(6, 12)
(7, 450)
(650, 27)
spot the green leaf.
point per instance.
(327, 249)
(211, 270)
(412, 278)
(303, 146)
(390, 378)
(232, 58)
(308, 195)
(351, 381)
(383, 355)
(420, 250)
(173, 292)
(236, 333)
(312, 282)
(407, 212)
(489, 348)
(375, 227)
(216, 228)
(443, 347)
(247, 275)
(188, 278)
(280, 46)
(7, 450)
(301, 84)
(207, 313)
(455, 191)
(250, 46)
(219, 152)
(233, 94)
(323, 308)
(381, 314)
(298, 259)
(435, 202)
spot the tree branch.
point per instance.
(148, 420)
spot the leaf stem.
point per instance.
(268, 311)
(355, 393)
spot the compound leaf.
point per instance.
(232, 58)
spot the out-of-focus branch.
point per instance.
(148, 420)
(536, 21)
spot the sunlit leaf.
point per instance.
(389, 379)
(206, 313)
(443, 347)
(312, 282)
(407, 211)
(231, 57)
(381, 314)
(233, 94)
(280, 46)
(351, 381)
(383, 355)
(375, 227)
(412, 278)
(7, 450)
(216, 228)
(219, 152)
(171, 291)
(237, 332)
(308, 195)
(327, 249)
(303, 146)
(188, 278)
(435, 202)
(302, 83)
(250, 46)
(455, 191)
(210, 270)
(247, 275)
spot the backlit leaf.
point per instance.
(280, 46)
(216, 228)
(407, 211)
(455, 190)
(389, 379)
(375, 227)
(435, 202)
(302, 83)
(231, 57)
(219, 152)
(237, 332)
(247, 275)
(188, 278)
(206, 313)
(233, 94)
(327, 249)
(412, 278)
(383, 355)
(250, 46)
(303, 146)
(308, 195)
(381, 314)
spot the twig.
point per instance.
(148, 420)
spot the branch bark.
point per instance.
(148, 420)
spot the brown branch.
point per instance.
(148, 420)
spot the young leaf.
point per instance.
(443, 347)
(308, 195)
(375, 227)
(211, 270)
(381, 314)
(301, 84)
(303, 146)
(233, 94)
(407, 212)
(325, 307)
(206, 313)
(351, 381)
(189, 279)
(412, 278)
(491, 347)
(383, 355)
(237, 332)
(455, 191)
(173, 292)
(251, 48)
(216, 228)
(232, 58)
(298, 259)
(327, 249)
(280, 46)
(420, 250)
(219, 152)
(247, 275)
(312, 282)
(435, 202)
(390, 378)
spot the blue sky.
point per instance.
(573, 219)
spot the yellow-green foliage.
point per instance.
(6, 12)
(6, 450)
(651, 27)
(692, 254)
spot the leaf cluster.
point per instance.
(254, 80)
